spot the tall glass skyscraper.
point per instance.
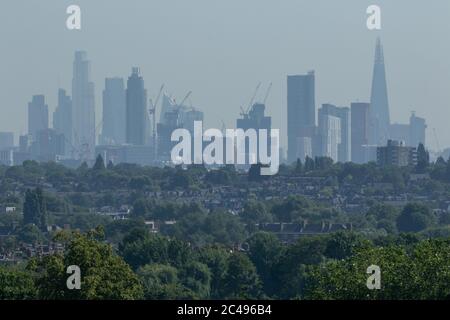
(83, 108)
(360, 119)
(62, 119)
(136, 110)
(379, 102)
(301, 105)
(37, 115)
(114, 112)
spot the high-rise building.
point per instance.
(83, 108)
(37, 115)
(137, 117)
(48, 145)
(114, 112)
(257, 120)
(6, 140)
(396, 153)
(360, 131)
(379, 102)
(25, 143)
(301, 110)
(165, 128)
(400, 132)
(417, 127)
(62, 119)
(331, 140)
(330, 132)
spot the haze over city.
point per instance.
(220, 50)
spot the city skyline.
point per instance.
(126, 111)
(416, 70)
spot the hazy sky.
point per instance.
(221, 49)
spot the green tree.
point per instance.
(265, 250)
(104, 275)
(415, 217)
(161, 282)
(140, 208)
(16, 285)
(241, 280)
(341, 245)
(99, 164)
(255, 212)
(196, 276)
(423, 159)
(34, 209)
(216, 258)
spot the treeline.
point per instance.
(149, 266)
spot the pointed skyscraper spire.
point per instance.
(379, 109)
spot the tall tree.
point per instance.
(104, 275)
(34, 209)
(423, 159)
(99, 164)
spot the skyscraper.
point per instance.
(330, 132)
(114, 112)
(83, 107)
(379, 102)
(6, 140)
(360, 114)
(137, 123)
(417, 129)
(255, 119)
(301, 111)
(37, 115)
(62, 119)
(337, 141)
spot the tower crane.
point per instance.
(185, 98)
(152, 112)
(267, 93)
(253, 98)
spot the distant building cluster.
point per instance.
(359, 133)
(129, 131)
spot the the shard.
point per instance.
(379, 102)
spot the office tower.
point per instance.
(400, 132)
(345, 147)
(301, 113)
(360, 131)
(304, 148)
(189, 117)
(48, 145)
(83, 108)
(25, 142)
(7, 157)
(114, 112)
(37, 115)
(62, 119)
(417, 127)
(165, 128)
(396, 153)
(6, 140)
(332, 141)
(379, 103)
(137, 117)
(330, 132)
(255, 119)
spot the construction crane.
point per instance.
(267, 93)
(437, 141)
(152, 112)
(253, 98)
(185, 98)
